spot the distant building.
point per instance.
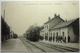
(42, 33)
(11, 34)
(57, 29)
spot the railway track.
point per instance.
(46, 47)
(31, 47)
(59, 47)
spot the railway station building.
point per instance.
(58, 30)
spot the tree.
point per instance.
(5, 30)
(33, 33)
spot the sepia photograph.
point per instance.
(40, 26)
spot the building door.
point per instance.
(64, 37)
(53, 37)
(56, 36)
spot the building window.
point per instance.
(47, 26)
(62, 33)
(47, 34)
(53, 34)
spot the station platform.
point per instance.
(13, 45)
(72, 45)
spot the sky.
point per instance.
(21, 15)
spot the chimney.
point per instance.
(58, 15)
(55, 15)
(49, 18)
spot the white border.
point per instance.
(36, 0)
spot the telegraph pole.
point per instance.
(4, 14)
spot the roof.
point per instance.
(64, 24)
(53, 19)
